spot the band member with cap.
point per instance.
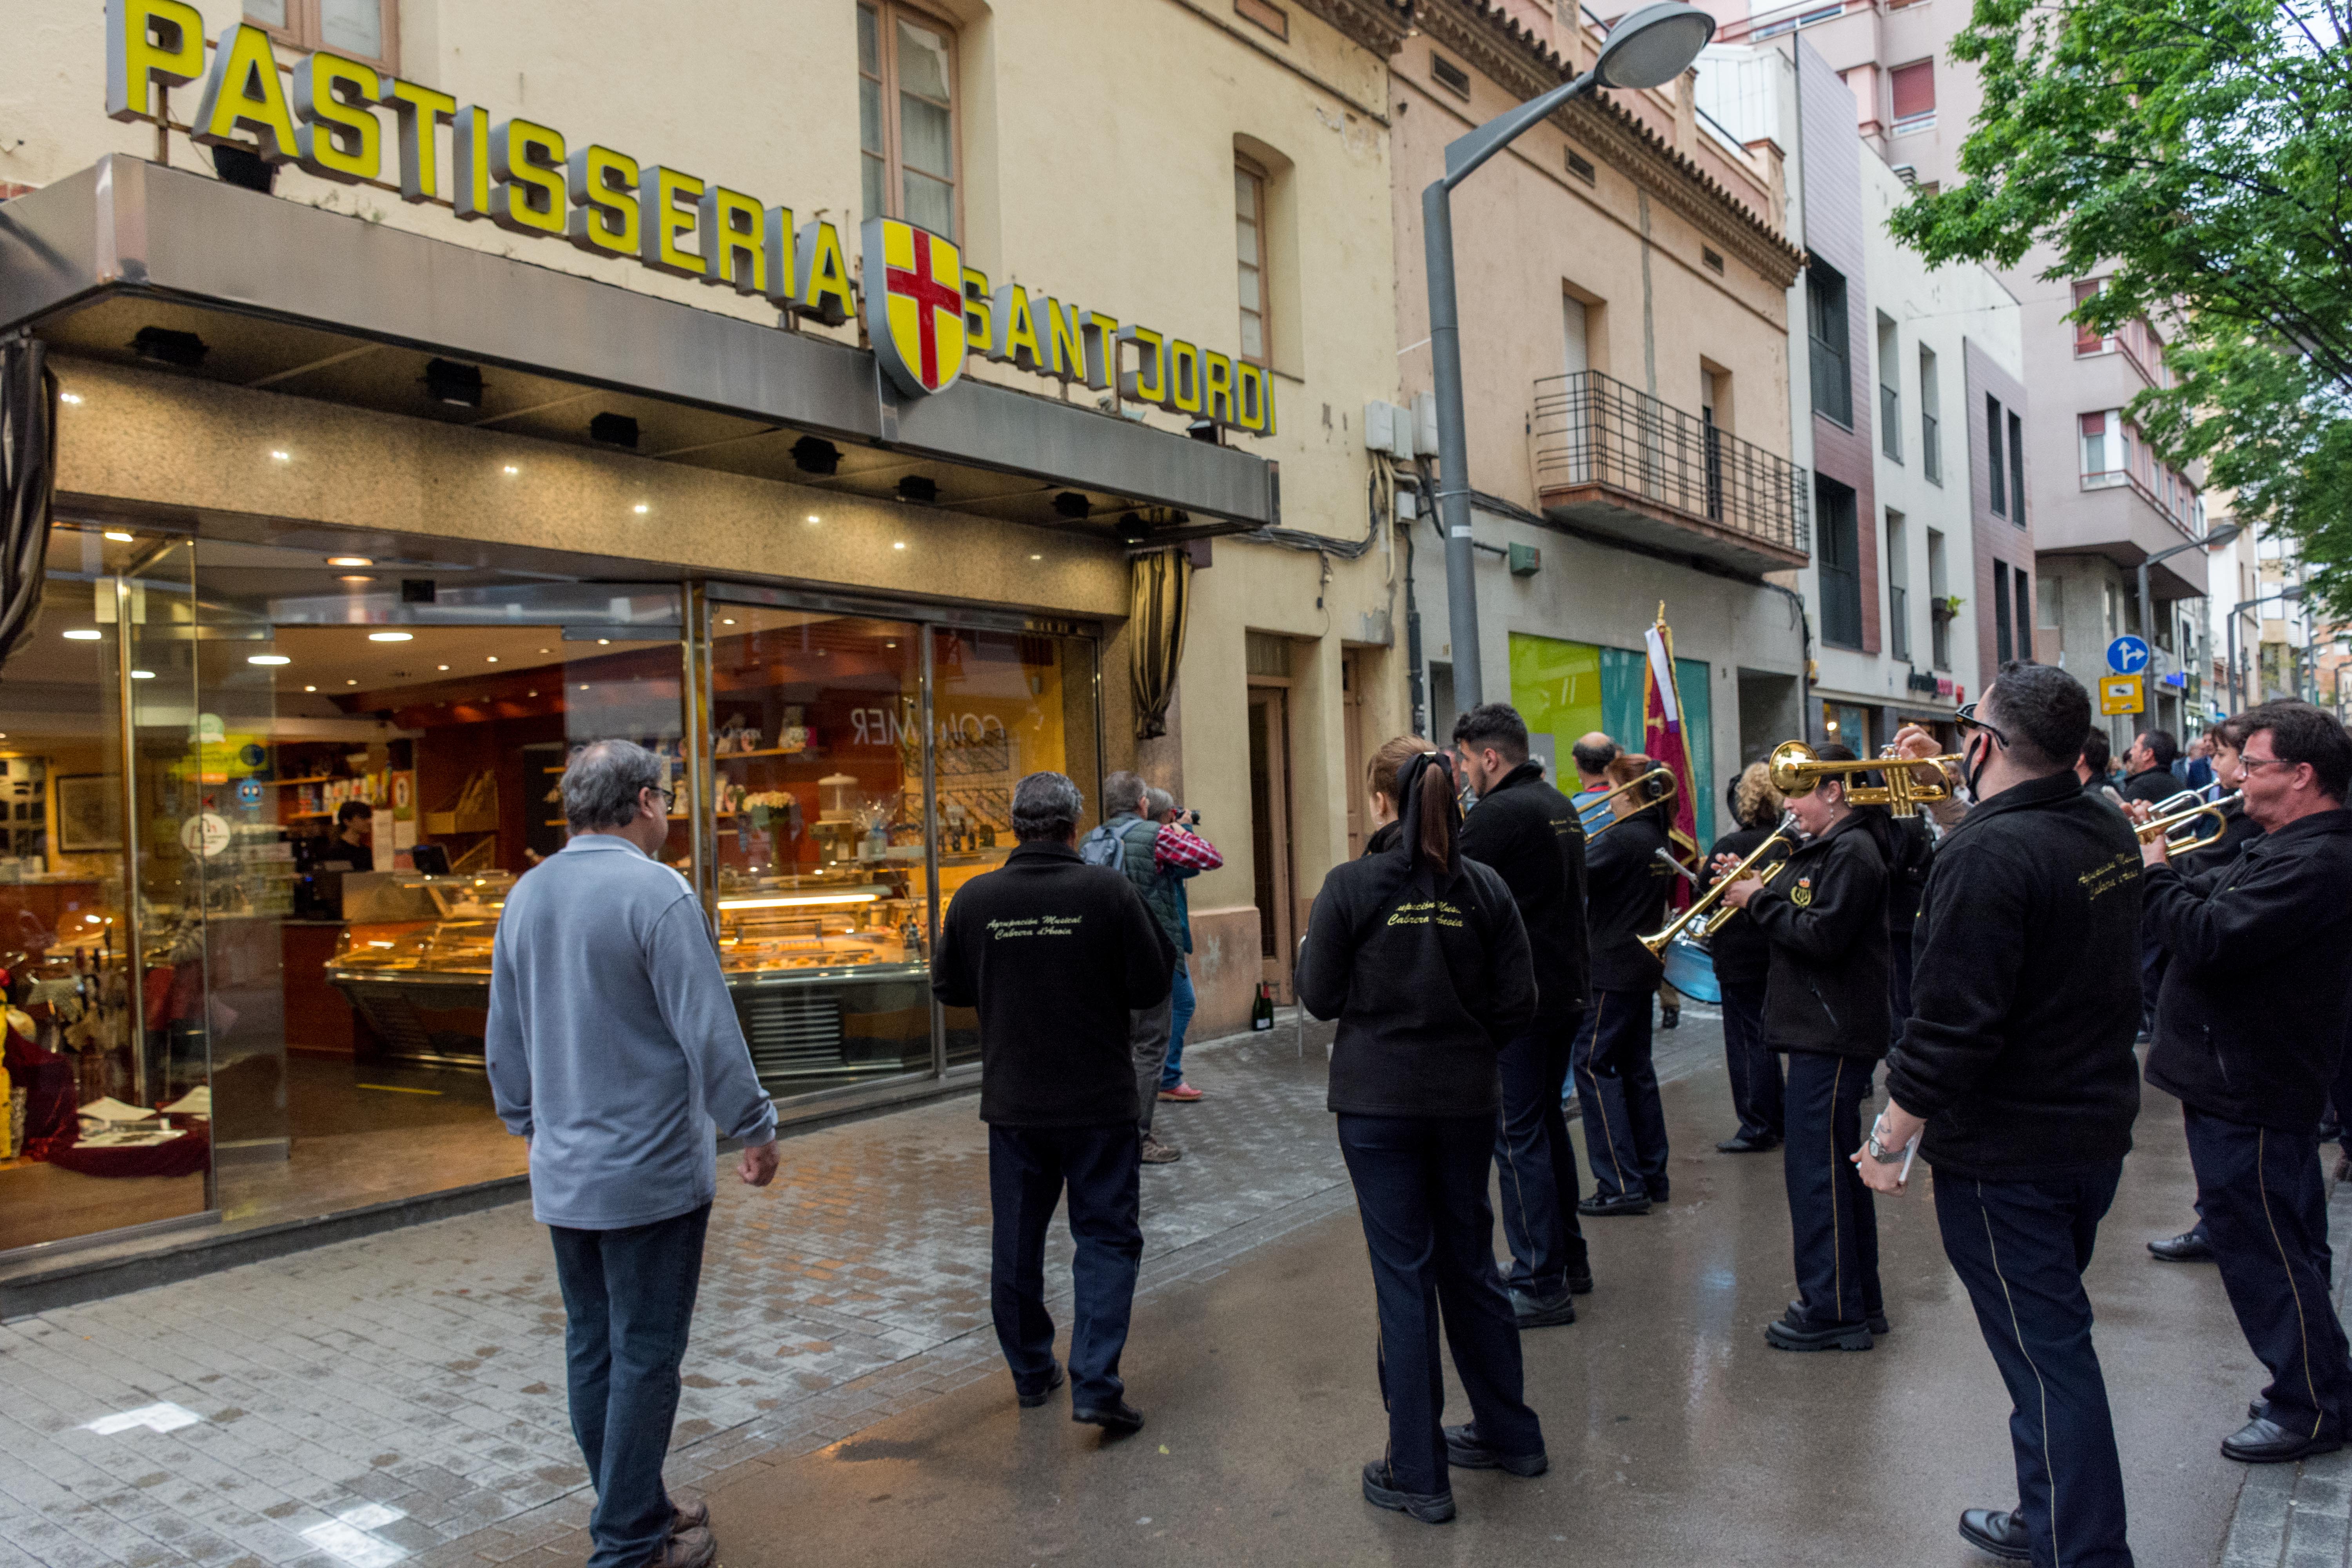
(1419, 952)
(2017, 1064)
(2250, 1028)
(1626, 883)
(1529, 833)
(1825, 1008)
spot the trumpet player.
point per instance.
(1626, 885)
(2250, 1029)
(1824, 916)
(1743, 961)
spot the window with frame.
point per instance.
(1996, 470)
(906, 116)
(1827, 331)
(367, 30)
(2016, 469)
(1249, 246)
(1839, 563)
(1914, 93)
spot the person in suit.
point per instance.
(1421, 955)
(1527, 831)
(1742, 961)
(1057, 956)
(1825, 1008)
(1616, 1086)
(2250, 1033)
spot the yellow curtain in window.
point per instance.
(1160, 606)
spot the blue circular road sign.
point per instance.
(2127, 656)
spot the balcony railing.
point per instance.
(1603, 447)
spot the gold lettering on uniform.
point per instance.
(977, 338)
(2109, 875)
(149, 41)
(527, 160)
(242, 93)
(602, 187)
(416, 114)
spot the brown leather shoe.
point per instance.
(688, 1516)
(686, 1549)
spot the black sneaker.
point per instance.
(1541, 1312)
(1031, 1400)
(1794, 1332)
(1430, 1508)
(1464, 1451)
(1601, 1206)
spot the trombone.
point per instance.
(2161, 825)
(1704, 910)
(1796, 771)
(1657, 787)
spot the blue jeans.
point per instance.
(2020, 1248)
(1421, 1189)
(1537, 1164)
(1027, 1169)
(628, 1300)
(1173, 1073)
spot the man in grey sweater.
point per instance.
(614, 1050)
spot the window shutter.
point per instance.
(1914, 89)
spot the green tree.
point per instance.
(2197, 155)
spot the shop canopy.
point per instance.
(129, 261)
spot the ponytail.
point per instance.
(1438, 813)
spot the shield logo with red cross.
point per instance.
(914, 305)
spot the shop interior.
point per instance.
(345, 761)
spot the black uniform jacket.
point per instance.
(1626, 888)
(2151, 784)
(2025, 989)
(1054, 952)
(2238, 830)
(1825, 918)
(1740, 953)
(2251, 1020)
(1529, 833)
(1428, 982)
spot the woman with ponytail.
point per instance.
(1420, 956)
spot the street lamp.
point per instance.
(2225, 534)
(2289, 594)
(1648, 48)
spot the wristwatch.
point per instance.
(1879, 1151)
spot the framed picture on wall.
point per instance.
(90, 813)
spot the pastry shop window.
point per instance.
(104, 1103)
(1004, 704)
(819, 854)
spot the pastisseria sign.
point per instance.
(926, 311)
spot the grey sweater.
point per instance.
(612, 1045)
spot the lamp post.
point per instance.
(1649, 48)
(2237, 683)
(2214, 539)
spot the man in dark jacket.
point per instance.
(1743, 964)
(1528, 832)
(2147, 767)
(1056, 955)
(1825, 1008)
(1616, 1085)
(2018, 1065)
(2249, 1027)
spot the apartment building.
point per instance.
(1624, 282)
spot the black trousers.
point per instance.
(1832, 1220)
(1028, 1168)
(1536, 1163)
(1421, 1189)
(1898, 984)
(628, 1301)
(2020, 1248)
(1752, 1066)
(1617, 1091)
(2264, 1205)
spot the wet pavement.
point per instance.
(401, 1398)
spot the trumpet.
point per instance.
(2161, 825)
(1656, 787)
(1796, 771)
(1705, 911)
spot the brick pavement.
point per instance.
(401, 1398)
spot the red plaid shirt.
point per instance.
(1177, 846)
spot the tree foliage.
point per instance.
(2197, 155)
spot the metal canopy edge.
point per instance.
(128, 225)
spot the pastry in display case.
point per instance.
(414, 959)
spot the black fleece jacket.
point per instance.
(1054, 952)
(1625, 899)
(1825, 918)
(1529, 833)
(2250, 1021)
(2238, 830)
(2025, 989)
(1739, 950)
(1428, 982)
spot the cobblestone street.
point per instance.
(401, 1398)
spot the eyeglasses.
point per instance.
(1966, 719)
(2247, 765)
(668, 798)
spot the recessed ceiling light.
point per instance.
(583, 686)
(281, 457)
(441, 666)
(641, 509)
(267, 658)
(309, 689)
(355, 577)
(602, 641)
(512, 469)
(530, 694)
(812, 516)
(901, 544)
(547, 650)
(119, 537)
(727, 621)
(348, 681)
(391, 636)
(494, 659)
(82, 633)
(1037, 558)
(351, 561)
(142, 675)
(73, 397)
(889, 645)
